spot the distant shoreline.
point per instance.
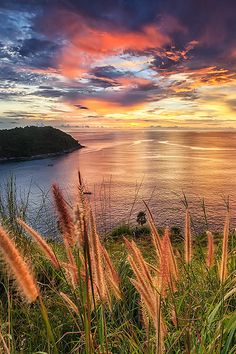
(40, 156)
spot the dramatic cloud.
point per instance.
(139, 62)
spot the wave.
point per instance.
(178, 157)
(137, 142)
(103, 146)
(166, 142)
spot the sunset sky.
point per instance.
(123, 63)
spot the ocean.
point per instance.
(124, 168)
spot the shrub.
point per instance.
(141, 231)
(176, 234)
(121, 230)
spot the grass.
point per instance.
(116, 296)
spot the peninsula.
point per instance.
(20, 144)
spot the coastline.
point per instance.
(40, 156)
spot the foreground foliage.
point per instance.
(84, 296)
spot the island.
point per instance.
(32, 142)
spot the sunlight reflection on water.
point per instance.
(114, 163)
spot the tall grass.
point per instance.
(12, 204)
(29, 204)
(114, 297)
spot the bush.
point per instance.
(176, 234)
(121, 230)
(141, 231)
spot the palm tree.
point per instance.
(141, 218)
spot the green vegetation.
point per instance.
(141, 218)
(20, 143)
(118, 296)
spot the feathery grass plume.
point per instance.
(71, 268)
(210, 250)
(224, 257)
(72, 275)
(172, 260)
(148, 297)
(68, 229)
(69, 302)
(65, 219)
(188, 238)
(143, 284)
(151, 301)
(18, 267)
(137, 256)
(146, 286)
(168, 266)
(156, 239)
(96, 260)
(139, 266)
(47, 250)
(80, 213)
(79, 224)
(165, 272)
(144, 316)
(112, 277)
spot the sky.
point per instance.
(118, 64)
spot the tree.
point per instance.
(141, 218)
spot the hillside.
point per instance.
(33, 142)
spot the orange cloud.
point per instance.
(88, 43)
(102, 106)
(208, 76)
(176, 55)
(211, 76)
(132, 81)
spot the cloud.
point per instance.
(232, 104)
(38, 53)
(150, 60)
(97, 82)
(123, 100)
(80, 106)
(88, 40)
(49, 93)
(108, 72)
(12, 76)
